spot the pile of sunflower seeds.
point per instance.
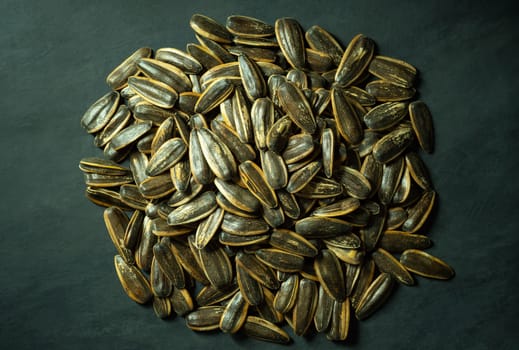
(265, 174)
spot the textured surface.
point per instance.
(59, 289)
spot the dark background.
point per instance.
(58, 288)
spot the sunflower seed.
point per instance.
(187, 63)
(147, 112)
(421, 121)
(181, 301)
(306, 304)
(161, 286)
(144, 251)
(133, 281)
(165, 73)
(345, 115)
(418, 214)
(217, 154)
(241, 117)
(295, 104)
(286, 295)
(129, 135)
(388, 263)
(241, 151)
(250, 288)
(347, 241)
(399, 241)
(324, 310)
(355, 59)
(266, 309)
(321, 227)
(254, 179)
(355, 184)
(340, 321)
(371, 233)
(392, 145)
(168, 263)
(280, 260)
(116, 222)
(257, 270)
(133, 231)
(274, 217)
(393, 70)
(216, 49)
(351, 277)
(261, 329)
(395, 218)
(195, 210)
(289, 204)
(330, 274)
(117, 122)
(328, 151)
(160, 228)
(274, 169)
(301, 178)
(199, 166)
(216, 265)
(361, 96)
(242, 226)
(277, 136)
(245, 26)
(105, 198)
(229, 239)
(252, 78)
(209, 295)
(291, 41)
(188, 260)
(391, 175)
(318, 61)
(262, 118)
(156, 186)
(385, 115)
(118, 77)
(209, 28)
(100, 112)
(207, 229)
(292, 242)
(426, 265)
(418, 170)
(166, 156)
(203, 55)
(213, 95)
(256, 42)
(237, 195)
(374, 296)
(181, 175)
(339, 208)
(206, 318)
(321, 40)
(153, 91)
(385, 91)
(235, 314)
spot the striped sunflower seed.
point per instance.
(268, 167)
(118, 77)
(291, 41)
(423, 264)
(133, 281)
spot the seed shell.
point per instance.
(133, 281)
(423, 264)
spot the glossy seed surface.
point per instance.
(265, 176)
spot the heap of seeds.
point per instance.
(271, 175)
